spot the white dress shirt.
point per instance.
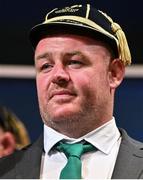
(95, 165)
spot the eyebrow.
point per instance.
(66, 54)
(41, 56)
(74, 53)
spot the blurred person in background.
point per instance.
(13, 134)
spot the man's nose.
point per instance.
(60, 75)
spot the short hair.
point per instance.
(9, 122)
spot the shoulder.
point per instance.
(9, 163)
(129, 162)
(126, 139)
(130, 146)
(21, 160)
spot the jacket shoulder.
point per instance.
(129, 162)
(18, 164)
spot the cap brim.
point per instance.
(42, 30)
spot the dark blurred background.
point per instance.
(18, 16)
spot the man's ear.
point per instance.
(7, 144)
(116, 73)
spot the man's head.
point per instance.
(13, 134)
(80, 62)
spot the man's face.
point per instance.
(73, 82)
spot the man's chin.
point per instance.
(63, 123)
(61, 117)
(64, 116)
(63, 112)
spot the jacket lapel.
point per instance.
(129, 159)
(30, 163)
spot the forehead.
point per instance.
(67, 40)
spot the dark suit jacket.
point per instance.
(25, 164)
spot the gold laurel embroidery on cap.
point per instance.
(66, 9)
(87, 11)
(50, 13)
(88, 22)
(71, 9)
(124, 51)
(77, 5)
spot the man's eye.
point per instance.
(75, 63)
(46, 66)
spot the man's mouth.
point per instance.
(61, 93)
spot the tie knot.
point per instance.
(76, 149)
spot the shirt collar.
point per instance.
(103, 138)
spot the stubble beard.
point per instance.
(74, 124)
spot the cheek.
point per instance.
(84, 84)
(42, 85)
(91, 84)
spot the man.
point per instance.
(80, 59)
(13, 134)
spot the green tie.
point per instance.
(73, 152)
